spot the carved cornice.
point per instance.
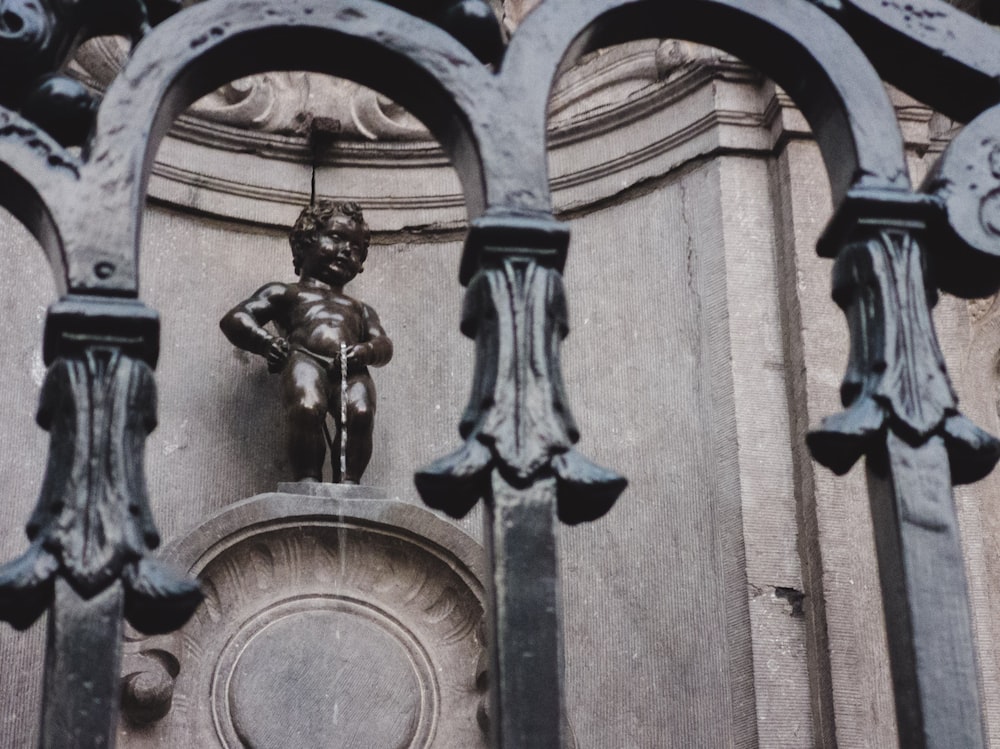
(654, 105)
(269, 112)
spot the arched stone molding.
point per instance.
(621, 117)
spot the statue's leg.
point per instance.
(360, 425)
(304, 396)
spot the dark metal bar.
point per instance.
(902, 413)
(925, 597)
(518, 456)
(82, 669)
(930, 49)
(525, 636)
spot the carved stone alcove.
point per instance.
(338, 618)
(240, 153)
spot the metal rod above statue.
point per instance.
(324, 344)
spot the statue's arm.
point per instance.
(376, 350)
(244, 324)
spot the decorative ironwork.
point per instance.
(38, 37)
(92, 525)
(472, 22)
(518, 420)
(896, 378)
(894, 249)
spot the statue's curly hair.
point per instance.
(318, 215)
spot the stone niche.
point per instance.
(334, 618)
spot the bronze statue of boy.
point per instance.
(319, 325)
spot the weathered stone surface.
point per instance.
(22, 462)
(325, 677)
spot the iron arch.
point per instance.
(410, 60)
(37, 180)
(801, 48)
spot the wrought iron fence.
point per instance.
(89, 561)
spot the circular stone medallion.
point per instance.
(325, 674)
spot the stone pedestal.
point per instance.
(334, 617)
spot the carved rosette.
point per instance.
(92, 524)
(896, 376)
(518, 420)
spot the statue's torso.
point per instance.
(320, 319)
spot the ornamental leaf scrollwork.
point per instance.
(518, 420)
(92, 524)
(896, 375)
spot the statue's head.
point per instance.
(320, 228)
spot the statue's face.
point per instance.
(336, 254)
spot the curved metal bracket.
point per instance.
(965, 186)
(929, 49)
(38, 180)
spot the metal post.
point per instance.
(902, 412)
(82, 679)
(525, 635)
(925, 597)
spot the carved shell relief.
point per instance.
(276, 102)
